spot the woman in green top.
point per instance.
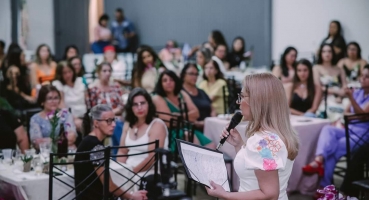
(168, 91)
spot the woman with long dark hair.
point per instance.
(147, 69)
(213, 84)
(16, 87)
(286, 70)
(327, 73)
(303, 95)
(141, 127)
(336, 39)
(216, 38)
(353, 64)
(70, 52)
(236, 56)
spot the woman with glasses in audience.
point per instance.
(286, 70)
(303, 95)
(43, 69)
(327, 73)
(213, 84)
(201, 100)
(107, 92)
(169, 98)
(72, 91)
(336, 39)
(141, 127)
(147, 69)
(332, 140)
(89, 184)
(353, 64)
(40, 127)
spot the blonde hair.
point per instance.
(269, 109)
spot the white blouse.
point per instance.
(74, 97)
(263, 151)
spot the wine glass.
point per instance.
(45, 149)
(71, 157)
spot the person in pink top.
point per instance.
(102, 35)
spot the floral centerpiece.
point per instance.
(331, 193)
(57, 117)
(26, 162)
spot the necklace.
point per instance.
(302, 86)
(135, 130)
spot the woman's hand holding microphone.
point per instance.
(234, 138)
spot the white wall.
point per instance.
(5, 21)
(41, 24)
(304, 23)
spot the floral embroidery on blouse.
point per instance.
(268, 148)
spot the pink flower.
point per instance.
(269, 164)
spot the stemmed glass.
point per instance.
(45, 149)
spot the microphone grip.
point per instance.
(222, 141)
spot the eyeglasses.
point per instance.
(53, 99)
(137, 105)
(109, 121)
(193, 74)
(240, 96)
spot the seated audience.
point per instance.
(303, 94)
(102, 35)
(43, 69)
(203, 56)
(147, 70)
(353, 64)
(119, 67)
(336, 39)
(286, 70)
(102, 123)
(106, 92)
(201, 100)
(141, 127)
(40, 126)
(221, 53)
(213, 84)
(12, 132)
(332, 140)
(70, 52)
(76, 62)
(72, 91)
(238, 53)
(168, 98)
(326, 71)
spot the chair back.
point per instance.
(146, 178)
(357, 132)
(68, 186)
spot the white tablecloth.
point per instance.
(28, 186)
(308, 130)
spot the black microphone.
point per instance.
(236, 119)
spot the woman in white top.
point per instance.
(141, 127)
(72, 91)
(264, 163)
